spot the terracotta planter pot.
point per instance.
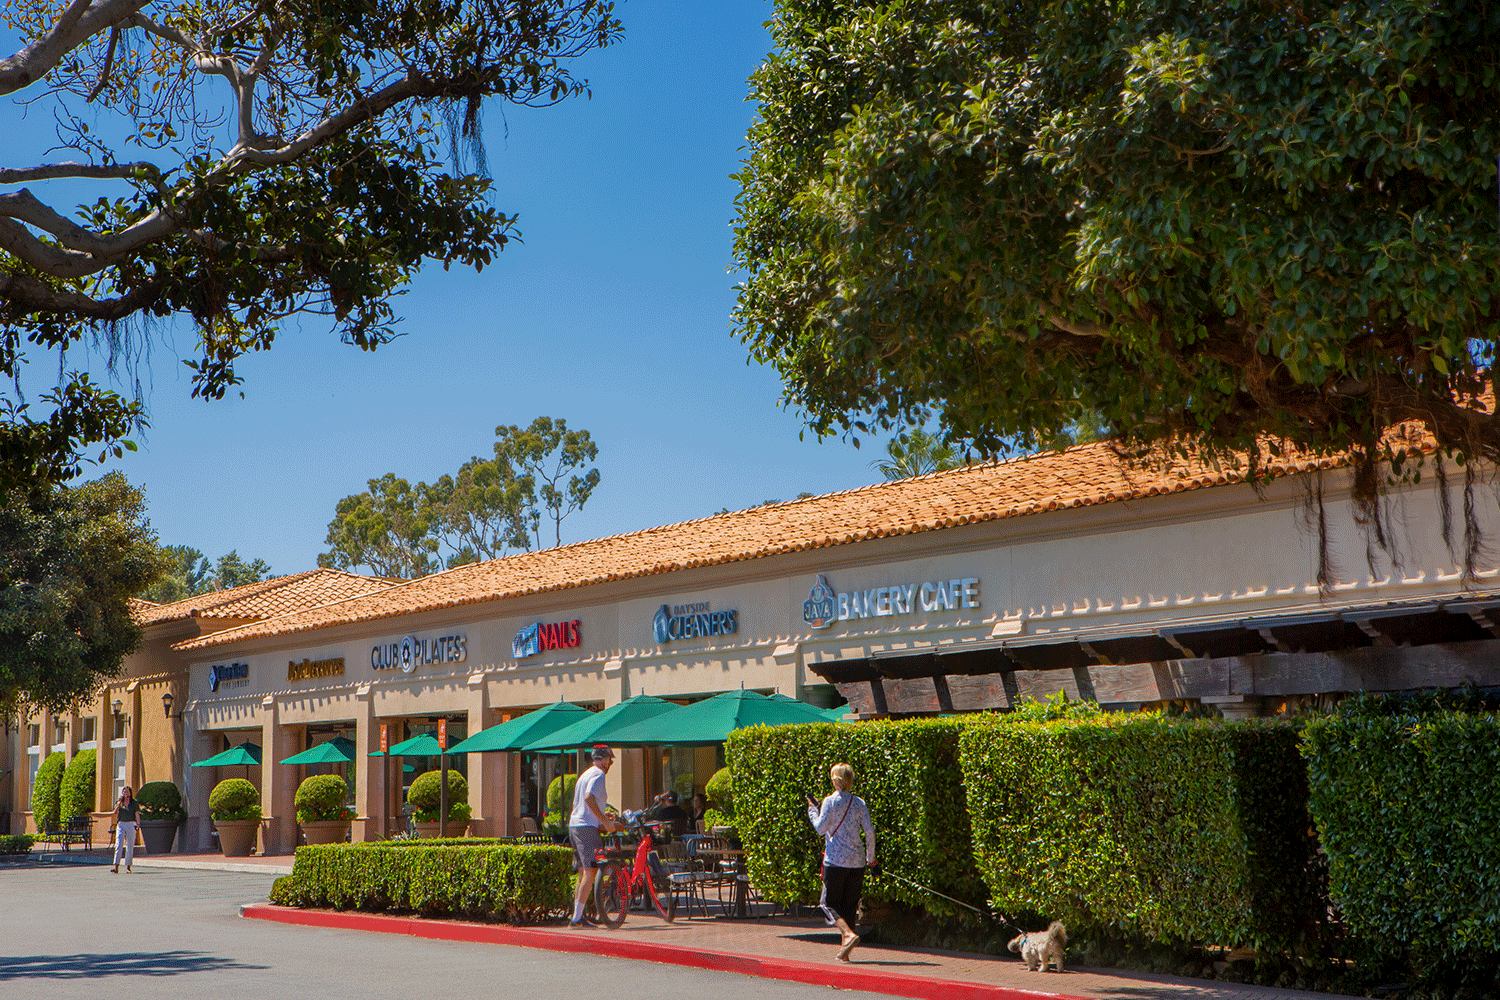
(455, 829)
(237, 836)
(158, 835)
(328, 831)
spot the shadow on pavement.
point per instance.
(130, 963)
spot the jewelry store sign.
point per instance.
(228, 675)
(413, 652)
(824, 605)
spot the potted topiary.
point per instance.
(234, 805)
(321, 811)
(719, 818)
(424, 797)
(161, 814)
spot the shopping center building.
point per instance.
(957, 591)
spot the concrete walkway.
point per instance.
(800, 950)
(270, 865)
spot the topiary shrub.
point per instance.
(77, 793)
(161, 800)
(1180, 831)
(509, 882)
(46, 791)
(720, 791)
(560, 796)
(320, 799)
(234, 799)
(425, 791)
(1406, 796)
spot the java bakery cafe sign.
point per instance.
(824, 605)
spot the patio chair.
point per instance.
(528, 826)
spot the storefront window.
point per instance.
(90, 730)
(34, 734)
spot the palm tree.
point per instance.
(915, 453)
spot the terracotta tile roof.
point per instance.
(280, 595)
(140, 608)
(1079, 477)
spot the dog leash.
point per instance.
(1004, 920)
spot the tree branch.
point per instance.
(33, 295)
(81, 20)
(51, 171)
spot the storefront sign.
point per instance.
(540, 636)
(824, 606)
(411, 652)
(314, 668)
(236, 674)
(692, 621)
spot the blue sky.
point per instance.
(613, 314)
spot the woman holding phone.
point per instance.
(127, 813)
(841, 818)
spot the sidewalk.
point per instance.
(800, 950)
(271, 865)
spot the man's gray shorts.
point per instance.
(586, 844)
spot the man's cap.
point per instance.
(672, 797)
(602, 752)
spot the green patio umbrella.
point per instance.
(245, 754)
(336, 751)
(425, 745)
(709, 721)
(523, 730)
(599, 727)
(837, 713)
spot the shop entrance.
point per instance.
(409, 768)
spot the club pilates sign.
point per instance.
(824, 605)
(412, 652)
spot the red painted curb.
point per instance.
(602, 943)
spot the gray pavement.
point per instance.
(78, 931)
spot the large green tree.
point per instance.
(552, 457)
(387, 528)
(70, 558)
(1206, 221)
(190, 573)
(346, 154)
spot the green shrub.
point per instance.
(517, 884)
(76, 794)
(907, 773)
(713, 818)
(1181, 831)
(1407, 803)
(19, 843)
(320, 798)
(234, 799)
(560, 796)
(161, 800)
(425, 791)
(46, 791)
(720, 791)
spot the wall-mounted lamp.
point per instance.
(118, 705)
(166, 704)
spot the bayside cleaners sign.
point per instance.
(824, 605)
(692, 621)
(539, 636)
(411, 652)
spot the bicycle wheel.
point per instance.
(610, 898)
(664, 900)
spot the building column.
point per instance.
(277, 791)
(369, 772)
(133, 735)
(488, 811)
(196, 784)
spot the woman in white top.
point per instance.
(841, 818)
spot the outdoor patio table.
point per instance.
(737, 858)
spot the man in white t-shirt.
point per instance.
(584, 826)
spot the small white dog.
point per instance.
(1040, 947)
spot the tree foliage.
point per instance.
(190, 574)
(916, 453)
(489, 507)
(70, 558)
(1210, 222)
(339, 164)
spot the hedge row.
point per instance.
(1177, 830)
(517, 884)
(45, 790)
(17, 843)
(1407, 804)
(908, 774)
(77, 791)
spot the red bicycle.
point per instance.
(625, 873)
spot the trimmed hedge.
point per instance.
(320, 798)
(46, 791)
(77, 792)
(560, 796)
(234, 799)
(1191, 831)
(906, 771)
(1407, 803)
(425, 791)
(19, 843)
(720, 791)
(161, 800)
(513, 883)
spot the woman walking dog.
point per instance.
(841, 819)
